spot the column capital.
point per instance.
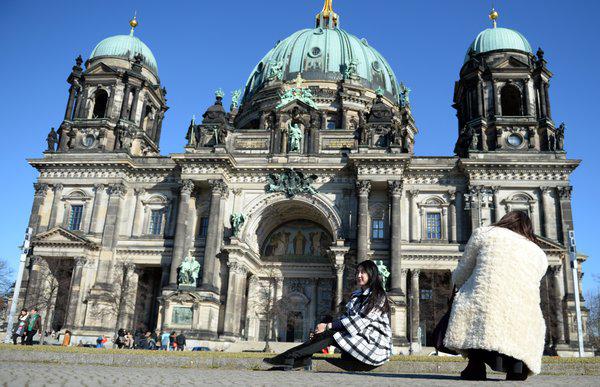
(187, 186)
(219, 187)
(555, 270)
(414, 192)
(565, 192)
(139, 191)
(395, 187)
(339, 268)
(118, 189)
(58, 187)
(415, 273)
(363, 187)
(80, 261)
(451, 195)
(545, 190)
(99, 187)
(41, 189)
(237, 267)
(404, 272)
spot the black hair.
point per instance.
(377, 298)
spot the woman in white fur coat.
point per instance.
(496, 318)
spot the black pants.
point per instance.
(304, 351)
(499, 362)
(29, 337)
(15, 337)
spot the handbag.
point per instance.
(439, 333)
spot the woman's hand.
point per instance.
(320, 328)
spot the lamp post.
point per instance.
(573, 259)
(15, 298)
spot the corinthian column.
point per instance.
(395, 188)
(58, 188)
(414, 216)
(210, 274)
(364, 187)
(559, 294)
(339, 285)
(96, 224)
(549, 213)
(235, 294)
(415, 295)
(180, 230)
(452, 221)
(38, 200)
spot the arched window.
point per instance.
(100, 104)
(511, 102)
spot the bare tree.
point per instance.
(6, 283)
(593, 322)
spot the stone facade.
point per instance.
(320, 175)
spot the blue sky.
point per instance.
(203, 45)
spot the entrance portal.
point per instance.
(295, 331)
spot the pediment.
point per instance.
(101, 68)
(548, 245)
(296, 103)
(59, 235)
(512, 62)
(182, 297)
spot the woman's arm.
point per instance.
(467, 263)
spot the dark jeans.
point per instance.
(304, 351)
(15, 337)
(29, 337)
(499, 362)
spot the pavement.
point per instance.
(45, 374)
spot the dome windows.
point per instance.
(376, 66)
(511, 101)
(100, 104)
(514, 140)
(315, 52)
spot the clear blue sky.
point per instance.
(203, 45)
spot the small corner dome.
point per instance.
(493, 39)
(126, 47)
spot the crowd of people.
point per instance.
(150, 340)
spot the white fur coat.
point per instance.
(497, 307)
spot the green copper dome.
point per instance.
(324, 54)
(493, 39)
(127, 47)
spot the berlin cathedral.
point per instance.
(253, 231)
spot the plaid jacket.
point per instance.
(368, 338)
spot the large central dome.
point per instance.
(324, 54)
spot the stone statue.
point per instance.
(71, 138)
(52, 140)
(221, 135)
(237, 220)
(560, 137)
(351, 71)
(295, 137)
(191, 134)
(383, 272)
(551, 141)
(472, 138)
(188, 271)
(363, 137)
(404, 95)
(275, 71)
(291, 182)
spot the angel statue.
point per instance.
(383, 272)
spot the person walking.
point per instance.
(20, 327)
(180, 340)
(496, 318)
(362, 333)
(33, 325)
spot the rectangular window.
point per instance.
(377, 229)
(75, 217)
(434, 225)
(203, 227)
(426, 294)
(156, 222)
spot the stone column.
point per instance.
(95, 224)
(129, 290)
(549, 211)
(250, 302)
(559, 295)
(535, 216)
(235, 295)
(395, 188)
(460, 217)
(75, 289)
(339, 285)
(58, 188)
(480, 107)
(69, 110)
(38, 200)
(181, 229)
(364, 187)
(213, 243)
(314, 302)
(526, 111)
(496, 91)
(415, 295)
(566, 215)
(452, 210)
(125, 101)
(138, 214)
(110, 235)
(134, 103)
(498, 213)
(414, 217)
(547, 100)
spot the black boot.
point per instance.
(519, 371)
(475, 370)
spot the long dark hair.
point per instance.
(377, 298)
(519, 222)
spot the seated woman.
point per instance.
(496, 318)
(363, 333)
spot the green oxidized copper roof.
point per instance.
(493, 39)
(127, 47)
(324, 54)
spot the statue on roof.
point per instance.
(188, 271)
(404, 95)
(52, 140)
(275, 71)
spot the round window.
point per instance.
(376, 66)
(88, 140)
(315, 51)
(515, 140)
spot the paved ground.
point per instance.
(39, 374)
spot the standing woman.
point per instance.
(496, 318)
(363, 333)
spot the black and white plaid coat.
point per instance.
(368, 338)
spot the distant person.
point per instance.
(20, 327)
(363, 333)
(67, 339)
(496, 318)
(165, 339)
(180, 340)
(33, 326)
